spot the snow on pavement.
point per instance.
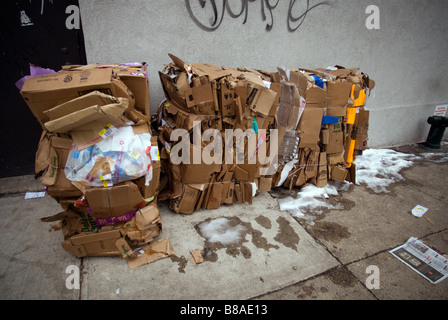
(377, 169)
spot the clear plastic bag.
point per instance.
(122, 156)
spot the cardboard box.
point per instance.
(114, 201)
(322, 174)
(84, 237)
(227, 97)
(57, 184)
(151, 191)
(86, 117)
(197, 173)
(204, 77)
(153, 251)
(144, 227)
(211, 71)
(43, 151)
(197, 95)
(339, 173)
(215, 199)
(134, 75)
(45, 92)
(228, 192)
(265, 184)
(277, 87)
(243, 192)
(170, 89)
(312, 164)
(289, 108)
(338, 93)
(314, 96)
(309, 127)
(260, 99)
(336, 137)
(361, 128)
(336, 169)
(93, 106)
(186, 202)
(97, 244)
(136, 78)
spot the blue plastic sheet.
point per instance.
(329, 120)
(318, 81)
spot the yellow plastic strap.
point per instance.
(351, 115)
(361, 99)
(351, 151)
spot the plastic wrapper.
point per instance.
(122, 156)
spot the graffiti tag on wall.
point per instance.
(297, 12)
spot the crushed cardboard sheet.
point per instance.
(197, 257)
(151, 252)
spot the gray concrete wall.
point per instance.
(406, 56)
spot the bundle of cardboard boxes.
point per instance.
(98, 157)
(319, 116)
(107, 161)
(200, 97)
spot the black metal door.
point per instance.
(32, 32)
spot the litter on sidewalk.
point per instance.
(418, 211)
(427, 261)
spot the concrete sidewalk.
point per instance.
(278, 257)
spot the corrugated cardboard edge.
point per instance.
(156, 250)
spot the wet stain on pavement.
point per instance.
(286, 234)
(309, 292)
(264, 222)
(237, 247)
(342, 277)
(182, 261)
(209, 254)
(345, 203)
(329, 231)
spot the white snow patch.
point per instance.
(376, 168)
(379, 168)
(435, 157)
(311, 199)
(220, 230)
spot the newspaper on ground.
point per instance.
(424, 259)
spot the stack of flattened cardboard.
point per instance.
(331, 122)
(233, 106)
(319, 115)
(98, 156)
